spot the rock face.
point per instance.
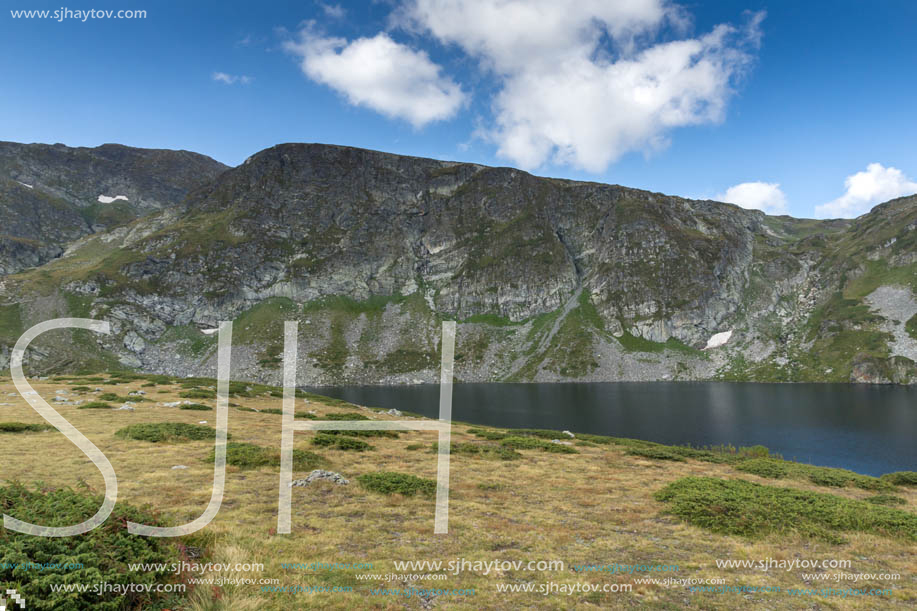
(50, 195)
(549, 279)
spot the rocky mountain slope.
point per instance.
(51, 195)
(549, 279)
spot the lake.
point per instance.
(868, 429)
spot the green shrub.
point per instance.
(22, 427)
(837, 478)
(755, 452)
(389, 482)
(340, 442)
(559, 448)
(765, 467)
(414, 446)
(197, 393)
(348, 443)
(251, 456)
(482, 450)
(110, 396)
(829, 478)
(522, 443)
(197, 407)
(80, 389)
(532, 443)
(600, 439)
(901, 478)
(246, 409)
(156, 432)
(96, 405)
(388, 434)
(656, 453)
(539, 433)
(344, 416)
(485, 434)
(104, 552)
(739, 507)
(701, 455)
(886, 499)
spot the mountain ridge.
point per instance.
(550, 279)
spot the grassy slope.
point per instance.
(597, 506)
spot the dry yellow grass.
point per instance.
(595, 507)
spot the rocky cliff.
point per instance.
(51, 195)
(549, 279)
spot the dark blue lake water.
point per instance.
(868, 429)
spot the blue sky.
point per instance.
(797, 107)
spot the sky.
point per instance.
(801, 108)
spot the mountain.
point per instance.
(549, 279)
(53, 195)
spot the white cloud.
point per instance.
(380, 74)
(766, 196)
(582, 82)
(866, 189)
(231, 79)
(335, 11)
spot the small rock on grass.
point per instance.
(337, 478)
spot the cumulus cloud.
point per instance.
(866, 189)
(381, 74)
(765, 196)
(582, 82)
(231, 79)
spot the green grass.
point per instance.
(656, 453)
(911, 326)
(22, 427)
(198, 394)
(390, 482)
(10, 324)
(189, 340)
(104, 553)
(197, 407)
(340, 442)
(901, 478)
(822, 476)
(886, 499)
(387, 434)
(344, 416)
(481, 450)
(96, 405)
(493, 320)
(739, 507)
(763, 467)
(168, 431)
(488, 434)
(251, 456)
(532, 443)
(264, 321)
(113, 397)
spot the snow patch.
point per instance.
(25, 185)
(106, 199)
(209, 331)
(718, 339)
